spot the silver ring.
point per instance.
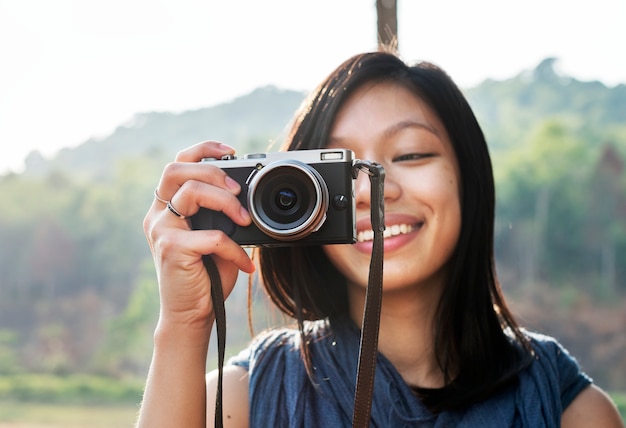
(158, 198)
(174, 210)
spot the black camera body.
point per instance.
(301, 197)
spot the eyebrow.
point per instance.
(404, 124)
(390, 131)
(394, 129)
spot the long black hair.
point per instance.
(478, 344)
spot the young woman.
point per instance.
(450, 352)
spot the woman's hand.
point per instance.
(175, 393)
(177, 250)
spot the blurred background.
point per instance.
(96, 97)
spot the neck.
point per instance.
(406, 336)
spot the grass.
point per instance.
(37, 415)
(75, 389)
(77, 401)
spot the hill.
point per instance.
(509, 111)
(249, 123)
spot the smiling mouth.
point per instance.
(394, 230)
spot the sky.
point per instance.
(71, 70)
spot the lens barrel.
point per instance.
(287, 200)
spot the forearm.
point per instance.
(175, 393)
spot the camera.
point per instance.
(301, 197)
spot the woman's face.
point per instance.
(387, 123)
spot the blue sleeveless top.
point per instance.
(281, 394)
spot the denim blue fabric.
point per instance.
(281, 394)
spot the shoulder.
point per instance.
(236, 380)
(584, 404)
(234, 396)
(274, 345)
(552, 355)
(553, 361)
(544, 344)
(271, 359)
(592, 407)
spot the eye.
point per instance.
(413, 156)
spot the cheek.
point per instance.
(451, 204)
(449, 193)
(337, 255)
(442, 190)
(441, 187)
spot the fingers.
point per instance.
(189, 184)
(194, 194)
(187, 166)
(185, 186)
(181, 245)
(178, 173)
(216, 242)
(206, 149)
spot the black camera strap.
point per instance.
(217, 298)
(368, 347)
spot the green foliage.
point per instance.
(510, 109)
(559, 168)
(55, 415)
(541, 195)
(9, 363)
(73, 389)
(128, 338)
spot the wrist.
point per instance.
(177, 334)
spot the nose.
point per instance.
(362, 189)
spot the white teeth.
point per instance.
(393, 230)
(366, 235)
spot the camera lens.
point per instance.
(288, 200)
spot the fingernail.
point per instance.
(245, 214)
